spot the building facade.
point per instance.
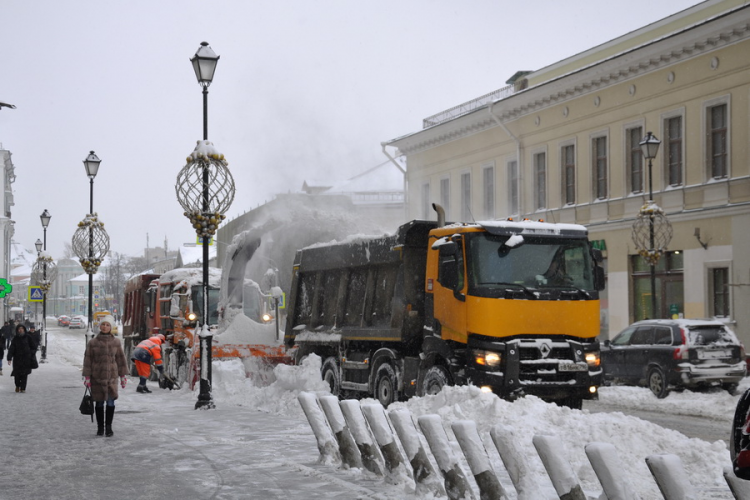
(562, 144)
(6, 224)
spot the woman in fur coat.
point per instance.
(20, 353)
(103, 363)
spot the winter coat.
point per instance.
(20, 352)
(105, 363)
(7, 331)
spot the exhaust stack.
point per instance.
(440, 214)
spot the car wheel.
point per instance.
(331, 376)
(385, 385)
(434, 380)
(740, 416)
(657, 382)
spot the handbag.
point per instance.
(34, 363)
(87, 405)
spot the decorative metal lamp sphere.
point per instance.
(205, 188)
(90, 243)
(643, 229)
(44, 272)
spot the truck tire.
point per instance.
(434, 380)
(331, 375)
(657, 382)
(385, 385)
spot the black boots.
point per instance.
(142, 389)
(99, 411)
(108, 422)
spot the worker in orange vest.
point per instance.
(147, 351)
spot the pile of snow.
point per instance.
(243, 330)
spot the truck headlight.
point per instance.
(593, 359)
(487, 358)
(191, 316)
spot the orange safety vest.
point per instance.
(153, 348)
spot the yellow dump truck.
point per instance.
(509, 306)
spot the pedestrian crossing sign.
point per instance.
(35, 294)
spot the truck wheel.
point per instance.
(385, 385)
(434, 380)
(740, 417)
(330, 373)
(657, 382)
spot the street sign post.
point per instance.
(35, 294)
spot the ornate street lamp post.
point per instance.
(205, 190)
(91, 241)
(651, 231)
(45, 218)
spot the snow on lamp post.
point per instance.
(91, 241)
(651, 230)
(205, 190)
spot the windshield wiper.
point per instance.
(575, 288)
(522, 287)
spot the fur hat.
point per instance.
(107, 319)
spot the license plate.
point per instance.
(571, 367)
(715, 354)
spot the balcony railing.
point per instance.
(467, 107)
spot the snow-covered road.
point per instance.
(257, 443)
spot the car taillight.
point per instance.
(681, 352)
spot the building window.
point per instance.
(634, 159)
(569, 174)
(540, 180)
(445, 196)
(600, 167)
(488, 187)
(466, 197)
(673, 157)
(717, 140)
(81, 290)
(426, 200)
(720, 291)
(513, 188)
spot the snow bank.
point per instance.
(243, 330)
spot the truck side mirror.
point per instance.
(598, 277)
(448, 249)
(449, 273)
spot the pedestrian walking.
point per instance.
(103, 363)
(144, 353)
(36, 335)
(7, 332)
(2, 353)
(22, 357)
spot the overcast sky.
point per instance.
(303, 90)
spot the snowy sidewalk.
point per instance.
(162, 447)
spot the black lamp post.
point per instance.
(45, 218)
(92, 168)
(204, 63)
(38, 244)
(205, 189)
(649, 148)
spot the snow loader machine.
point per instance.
(171, 304)
(508, 306)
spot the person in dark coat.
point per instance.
(103, 363)
(7, 332)
(20, 353)
(36, 335)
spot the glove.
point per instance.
(123, 381)
(87, 382)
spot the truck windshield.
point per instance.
(528, 262)
(213, 302)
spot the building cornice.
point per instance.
(692, 42)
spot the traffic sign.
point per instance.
(35, 294)
(5, 287)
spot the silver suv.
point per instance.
(675, 354)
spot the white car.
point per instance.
(77, 322)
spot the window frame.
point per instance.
(667, 146)
(445, 195)
(633, 156)
(568, 174)
(708, 138)
(465, 184)
(488, 191)
(725, 292)
(514, 187)
(425, 194)
(595, 192)
(540, 179)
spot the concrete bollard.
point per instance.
(479, 462)
(671, 478)
(563, 476)
(456, 485)
(372, 460)
(515, 463)
(608, 468)
(350, 454)
(326, 442)
(427, 480)
(396, 469)
(740, 488)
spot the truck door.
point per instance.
(450, 292)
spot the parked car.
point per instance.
(665, 355)
(63, 321)
(77, 322)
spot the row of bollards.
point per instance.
(364, 436)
